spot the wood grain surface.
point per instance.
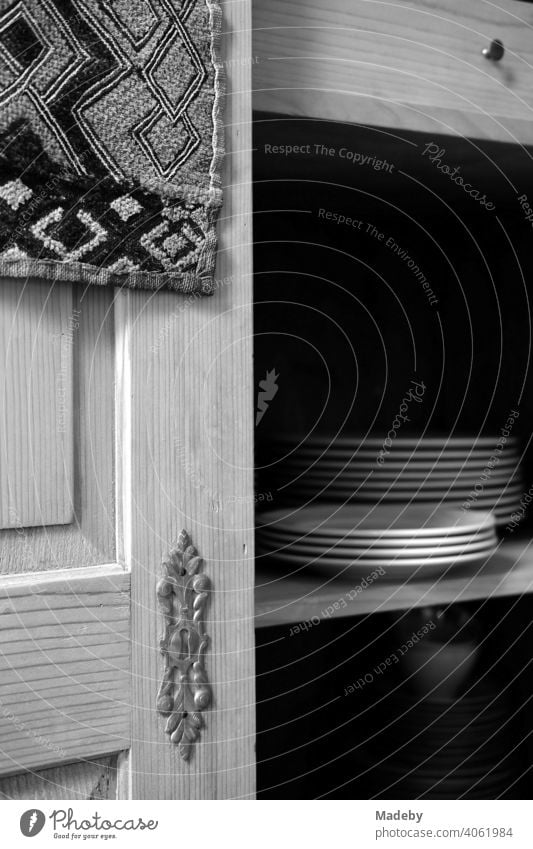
(185, 425)
(36, 405)
(89, 538)
(413, 64)
(65, 666)
(94, 779)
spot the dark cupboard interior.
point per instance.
(318, 739)
(345, 320)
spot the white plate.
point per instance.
(363, 493)
(362, 496)
(335, 552)
(375, 483)
(373, 544)
(365, 541)
(418, 520)
(393, 465)
(500, 516)
(397, 467)
(395, 454)
(402, 495)
(370, 563)
(344, 482)
(307, 547)
(483, 504)
(375, 562)
(409, 471)
(371, 539)
(476, 458)
(474, 452)
(416, 441)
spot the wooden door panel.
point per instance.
(36, 405)
(65, 667)
(89, 538)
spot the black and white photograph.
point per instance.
(266, 421)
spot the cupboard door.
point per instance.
(127, 418)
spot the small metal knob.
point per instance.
(495, 51)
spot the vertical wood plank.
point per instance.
(37, 328)
(185, 406)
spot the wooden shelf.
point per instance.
(411, 65)
(301, 597)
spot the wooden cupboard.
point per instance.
(129, 416)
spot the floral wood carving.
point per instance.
(184, 692)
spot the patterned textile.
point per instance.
(111, 141)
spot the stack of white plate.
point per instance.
(354, 540)
(468, 471)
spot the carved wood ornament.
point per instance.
(184, 692)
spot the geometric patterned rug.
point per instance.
(111, 141)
